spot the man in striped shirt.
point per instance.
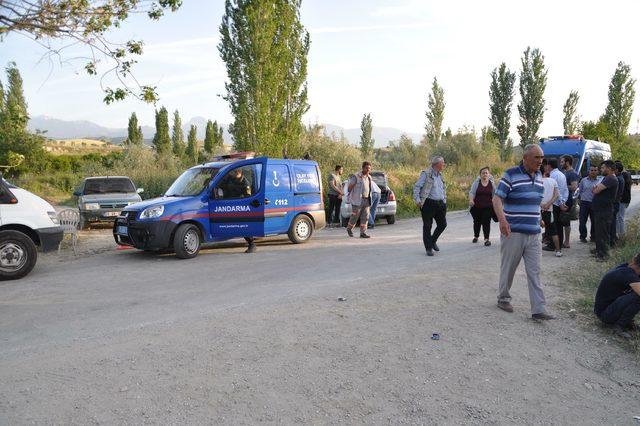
(517, 205)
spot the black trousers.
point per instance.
(333, 215)
(602, 219)
(481, 218)
(613, 231)
(622, 310)
(586, 213)
(433, 210)
(558, 224)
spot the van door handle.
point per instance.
(255, 203)
(266, 201)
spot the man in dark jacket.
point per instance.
(604, 195)
(613, 233)
(625, 200)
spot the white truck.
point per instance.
(26, 223)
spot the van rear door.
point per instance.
(307, 191)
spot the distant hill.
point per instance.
(82, 129)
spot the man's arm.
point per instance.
(598, 188)
(352, 183)
(498, 208)
(418, 187)
(635, 287)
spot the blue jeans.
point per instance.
(586, 213)
(375, 199)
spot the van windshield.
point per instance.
(192, 182)
(108, 186)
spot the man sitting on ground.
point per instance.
(618, 297)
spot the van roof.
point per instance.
(571, 145)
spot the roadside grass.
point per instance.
(585, 278)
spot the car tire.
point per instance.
(391, 219)
(187, 241)
(12, 244)
(301, 229)
(344, 221)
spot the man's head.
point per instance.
(532, 157)
(237, 173)
(635, 263)
(607, 167)
(339, 169)
(619, 167)
(593, 171)
(437, 163)
(366, 168)
(566, 162)
(553, 163)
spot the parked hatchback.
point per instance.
(101, 199)
(387, 205)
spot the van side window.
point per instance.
(306, 178)
(278, 178)
(240, 182)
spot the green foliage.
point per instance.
(366, 142)
(218, 139)
(435, 113)
(87, 23)
(134, 131)
(177, 136)
(264, 46)
(533, 82)
(621, 97)
(571, 120)
(161, 139)
(596, 130)
(209, 137)
(15, 117)
(404, 152)
(192, 146)
(501, 92)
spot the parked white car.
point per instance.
(387, 206)
(26, 223)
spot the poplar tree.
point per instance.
(435, 113)
(161, 140)
(16, 116)
(177, 135)
(2, 106)
(134, 131)
(264, 46)
(571, 120)
(501, 93)
(366, 142)
(192, 145)
(218, 131)
(533, 82)
(209, 137)
(621, 97)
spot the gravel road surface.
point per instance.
(126, 337)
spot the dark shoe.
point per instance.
(364, 235)
(505, 306)
(475, 240)
(350, 232)
(251, 248)
(487, 243)
(548, 248)
(600, 258)
(620, 332)
(583, 240)
(543, 317)
(371, 226)
(435, 247)
(429, 252)
(593, 251)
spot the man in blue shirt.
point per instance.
(618, 297)
(585, 193)
(517, 205)
(430, 196)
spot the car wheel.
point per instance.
(345, 221)
(187, 241)
(301, 229)
(391, 219)
(18, 255)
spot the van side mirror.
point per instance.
(77, 193)
(140, 190)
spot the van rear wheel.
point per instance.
(301, 229)
(187, 241)
(18, 255)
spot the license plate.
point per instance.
(122, 230)
(111, 214)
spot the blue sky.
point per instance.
(374, 56)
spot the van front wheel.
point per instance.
(18, 255)
(187, 241)
(301, 229)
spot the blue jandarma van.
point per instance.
(227, 199)
(585, 152)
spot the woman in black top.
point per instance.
(480, 200)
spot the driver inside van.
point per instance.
(235, 185)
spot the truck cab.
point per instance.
(226, 199)
(585, 152)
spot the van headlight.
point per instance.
(91, 206)
(152, 212)
(54, 217)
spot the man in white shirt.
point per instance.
(550, 195)
(559, 205)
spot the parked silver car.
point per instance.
(387, 205)
(101, 199)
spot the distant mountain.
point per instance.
(82, 129)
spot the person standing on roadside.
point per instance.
(617, 170)
(559, 206)
(430, 196)
(480, 200)
(517, 205)
(549, 195)
(625, 200)
(604, 195)
(376, 193)
(360, 200)
(566, 163)
(585, 194)
(335, 196)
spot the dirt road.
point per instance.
(127, 337)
